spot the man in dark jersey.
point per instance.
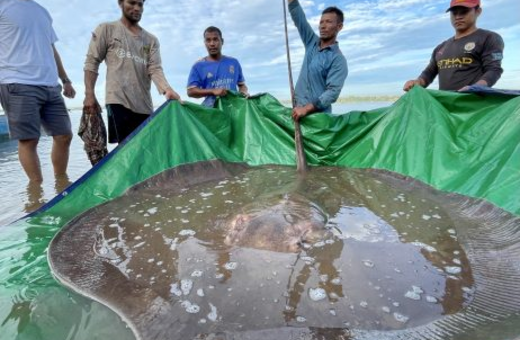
(472, 57)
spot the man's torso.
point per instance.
(460, 61)
(127, 57)
(225, 73)
(317, 64)
(26, 39)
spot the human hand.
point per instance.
(68, 90)
(171, 94)
(91, 105)
(219, 92)
(411, 83)
(299, 112)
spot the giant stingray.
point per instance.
(347, 255)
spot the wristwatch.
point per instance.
(66, 80)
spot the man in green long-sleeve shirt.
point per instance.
(324, 68)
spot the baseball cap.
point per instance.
(464, 3)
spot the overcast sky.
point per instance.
(386, 42)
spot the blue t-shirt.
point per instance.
(225, 73)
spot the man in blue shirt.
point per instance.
(213, 75)
(324, 68)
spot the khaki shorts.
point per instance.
(30, 107)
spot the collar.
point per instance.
(334, 47)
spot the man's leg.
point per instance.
(122, 122)
(22, 105)
(28, 156)
(56, 122)
(60, 154)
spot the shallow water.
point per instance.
(17, 197)
(392, 260)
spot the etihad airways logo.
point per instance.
(454, 62)
(122, 54)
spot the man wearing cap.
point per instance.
(472, 57)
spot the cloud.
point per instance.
(386, 42)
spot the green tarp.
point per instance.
(462, 143)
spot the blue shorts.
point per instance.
(30, 107)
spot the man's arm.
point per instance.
(197, 92)
(427, 76)
(68, 90)
(492, 60)
(334, 83)
(156, 73)
(195, 89)
(301, 111)
(300, 21)
(241, 81)
(242, 88)
(90, 103)
(96, 53)
(411, 83)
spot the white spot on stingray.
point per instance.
(175, 290)
(187, 232)
(212, 315)
(231, 265)
(453, 270)
(196, 273)
(190, 307)
(415, 293)
(317, 294)
(368, 263)
(186, 286)
(300, 319)
(431, 299)
(401, 318)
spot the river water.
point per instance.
(17, 198)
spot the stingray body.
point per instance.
(283, 224)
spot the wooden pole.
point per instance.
(300, 153)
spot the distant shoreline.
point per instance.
(358, 99)
(341, 100)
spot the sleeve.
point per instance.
(155, 70)
(53, 35)
(97, 49)
(431, 71)
(240, 79)
(492, 55)
(300, 21)
(194, 79)
(335, 80)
